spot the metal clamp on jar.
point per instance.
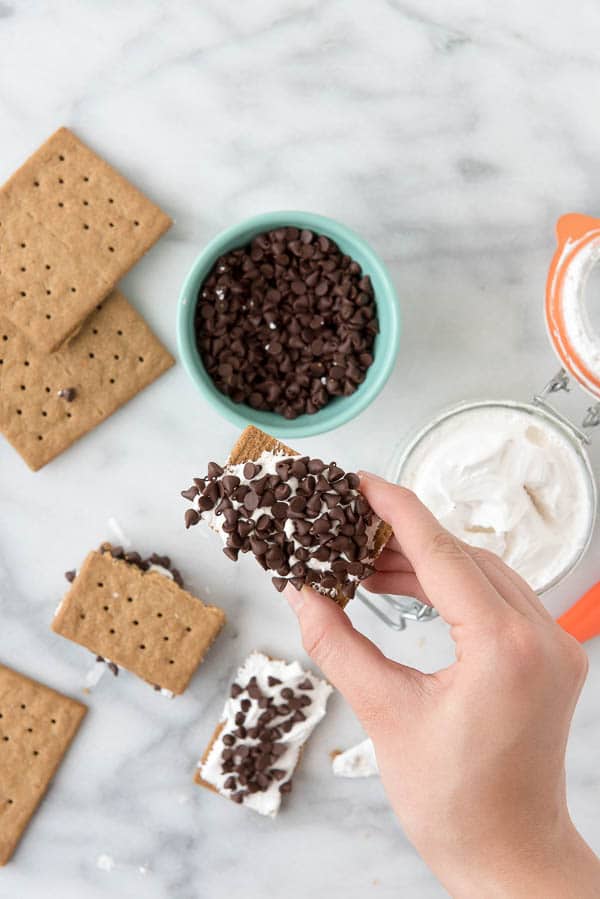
(578, 350)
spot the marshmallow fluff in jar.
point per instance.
(511, 477)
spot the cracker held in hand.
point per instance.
(303, 519)
(37, 726)
(273, 708)
(70, 228)
(48, 402)
(133, 616)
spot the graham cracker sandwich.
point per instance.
(133, 613)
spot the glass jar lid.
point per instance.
(574, 339)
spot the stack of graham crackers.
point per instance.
(72, 348)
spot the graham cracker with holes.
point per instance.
(140, 620)
(249, 446)
(114, 356)
(37, 725)
(70, 228)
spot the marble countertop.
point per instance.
(451, 135)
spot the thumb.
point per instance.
(376, 688)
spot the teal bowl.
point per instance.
(340, 409)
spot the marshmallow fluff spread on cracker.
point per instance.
(272, 709)
(303, 519)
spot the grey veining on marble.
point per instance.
(451, 135)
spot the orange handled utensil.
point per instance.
(582, 620)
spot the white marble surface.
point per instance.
(451, 134)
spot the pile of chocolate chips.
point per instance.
(329, 519)
(252, 767)
(286, 323)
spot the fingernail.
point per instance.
(368, 475)
(295, 598)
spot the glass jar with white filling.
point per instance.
(515, 477)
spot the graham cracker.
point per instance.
(140, 620)
(114, 356)
(70, 228)
(249, 446)
(197, 776)
(37, 725)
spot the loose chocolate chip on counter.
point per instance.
(284, 324)
(67, 394)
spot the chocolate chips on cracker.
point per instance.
(305, 520)
(286, 323)
(266, 721)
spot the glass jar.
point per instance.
(578, 239)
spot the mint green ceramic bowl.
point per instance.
(341, 409)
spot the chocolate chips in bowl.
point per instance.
(289, 321)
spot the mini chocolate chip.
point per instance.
(244, 528)
(240, 718)
(280, 583)
(306, 684)
(230, 783)
(283, 470)
(238, 797)
(191, 517)
(286, 787)
(71, 575)
(205, 503)
(353, 480)
(214, 470)
(68, 394)
(230, 482)
(334, 472)
(282, 491)
(235, 690)
(287, 693)
(273, 681)
(191, 493)
(254, 691)
(231, 552)
(251, 470)
(228, 740)
(252, 501)
(245, 705)
(299, 469)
